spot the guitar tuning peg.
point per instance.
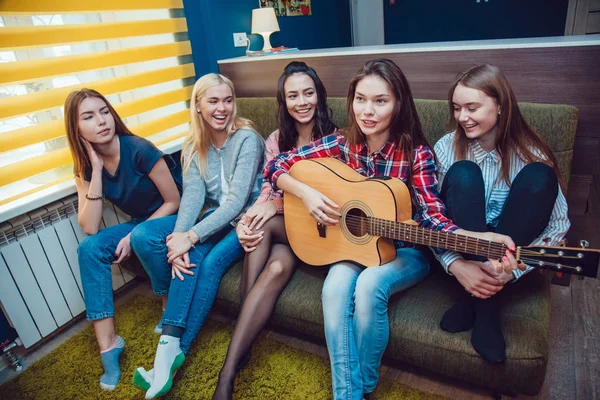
(563, 243)
(584, 244)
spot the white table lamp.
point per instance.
(264, 22)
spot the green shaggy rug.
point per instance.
(276, 371)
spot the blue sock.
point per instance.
(110, 361)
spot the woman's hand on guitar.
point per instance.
(508, 262)
(248, 239)
(474, 279)
(320, 207)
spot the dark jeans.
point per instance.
(526, 211)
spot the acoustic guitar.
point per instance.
(376, 211)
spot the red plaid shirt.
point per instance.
(388, 161)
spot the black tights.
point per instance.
(267, 270)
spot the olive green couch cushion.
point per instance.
(415, 336)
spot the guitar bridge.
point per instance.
(322, 230)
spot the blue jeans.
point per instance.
(96, 254)
(355, 306)
(149, 243)
(189, 300)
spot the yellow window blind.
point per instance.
(135, 52)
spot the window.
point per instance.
(140, 59)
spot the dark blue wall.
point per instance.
(443, 20)
(211, 25)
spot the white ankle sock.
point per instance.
(168, 353)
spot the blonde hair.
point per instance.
(198, 141)
(81, 160)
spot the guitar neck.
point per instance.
(444, 240)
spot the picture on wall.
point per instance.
(288, 8)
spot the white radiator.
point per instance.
(40, 284)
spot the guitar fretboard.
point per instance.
(444, 240)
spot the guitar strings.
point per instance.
(535, 263)
(415, 233)
(537, 254)
(412, 231)
(418, 233)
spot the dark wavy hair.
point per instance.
(405, 128)
(514, 133)
(288, 135)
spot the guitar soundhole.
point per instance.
(356, 222)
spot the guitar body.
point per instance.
(316, 244)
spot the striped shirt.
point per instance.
(496, 192)
(388, 161)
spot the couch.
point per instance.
(415, 336)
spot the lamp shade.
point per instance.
(264, 20)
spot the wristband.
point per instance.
(94, 197)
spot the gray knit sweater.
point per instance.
(242, 159)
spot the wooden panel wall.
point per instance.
(553, 75)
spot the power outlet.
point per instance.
(240, 39)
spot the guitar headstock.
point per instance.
(572, 260)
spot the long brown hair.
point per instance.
(514, 135)
(81, 160)
(405, 128)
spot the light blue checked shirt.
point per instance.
(496, 192)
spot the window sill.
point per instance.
(56, 192)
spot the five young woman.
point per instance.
(493, 153)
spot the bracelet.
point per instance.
(187, 234)
(94, 197)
